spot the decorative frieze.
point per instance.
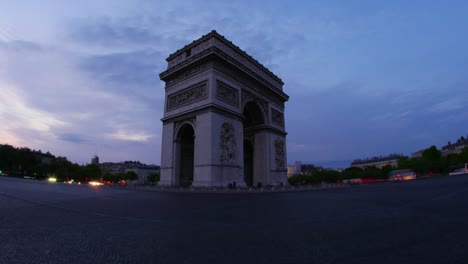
(277, 117)
(248, 82)
(280, 160)
(187, 96)
(228, 143)
(216, 40)
(185, 74)
(227, 94)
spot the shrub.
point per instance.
(153, 177)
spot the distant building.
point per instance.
(44, 158)
(455, 148)
(310, 169)
(418, 154)
(142, 170)
(378, 162)
(95, 160)
(294, 169)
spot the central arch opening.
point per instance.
(248, 163)
(186, 155)
(253, 117)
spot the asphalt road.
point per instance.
(424, 221)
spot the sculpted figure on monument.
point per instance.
(279, 153)
(228, 143)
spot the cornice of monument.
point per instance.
(219, 109)
(209, 58)
(176, 58)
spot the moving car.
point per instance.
(460, 171)
(401, 175)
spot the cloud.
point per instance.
(19, 46)
(130, 136)
(115, 31)
(160, 27)
(90, 84)
(64, 106)
(17, 113)
(74, 138)
(136, 68)
(297, 147)
(449, 105)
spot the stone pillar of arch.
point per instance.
(226, 99)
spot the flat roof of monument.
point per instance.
(214, 33)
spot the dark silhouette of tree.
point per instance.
(131, 176)
(432, 154)
(153, 177)
(91, 172)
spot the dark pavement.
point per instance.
(423, 221)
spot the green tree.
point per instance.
(432, 154)
(300, 179)
(464, 155)
(92, 172)
(405, 163)
(386, 170)
(110, 177)
(153, 177)
(131, 176)
(352, 173)
(372, 172)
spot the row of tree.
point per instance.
(431, 162)
(26, 162)
(19, 161)
(127, 176)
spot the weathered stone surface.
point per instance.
(216, 91)
(227, 94)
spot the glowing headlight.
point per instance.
(95, 183)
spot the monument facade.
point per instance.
(223, 118)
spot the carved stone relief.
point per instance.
(279, 154)
(247, 81)
(277, 117)
(228, 143)
(199, 67)
(227, 94)
(186, 96)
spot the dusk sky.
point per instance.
(365, 78)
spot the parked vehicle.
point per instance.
(460, 171)
(401, 175)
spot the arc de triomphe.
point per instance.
(223, 118)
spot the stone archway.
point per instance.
(253, 120)
(186, 155)
(226, 97)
